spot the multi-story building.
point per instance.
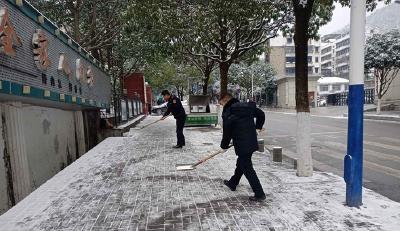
(328, 56)
(342, 44)
(282, 58)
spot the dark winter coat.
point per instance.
(239, 126)
(175, 107)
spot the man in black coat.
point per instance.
(239, 126)
(175, 107)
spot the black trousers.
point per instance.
(180, 123)
(244, 166)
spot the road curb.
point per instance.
(379, 117)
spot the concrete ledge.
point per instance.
(123, 128)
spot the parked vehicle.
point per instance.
(322, 103)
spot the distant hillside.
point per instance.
(385, 19)
(382, 20)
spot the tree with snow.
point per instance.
(218, 31)
(382, 58)
(309, 16)
(250, 77)
(171, 74)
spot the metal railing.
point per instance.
(341, 99)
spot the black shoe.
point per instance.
(226, 182)
(177, 146)
(258, 198)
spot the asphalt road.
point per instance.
(329, 144)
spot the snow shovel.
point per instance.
(188, 167)
(145, 126)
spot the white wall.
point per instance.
(50, 141)
(287, 91)
(393, 94)
(46, 143)
(3, 176)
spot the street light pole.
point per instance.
(353, 161)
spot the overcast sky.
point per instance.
(341, 17)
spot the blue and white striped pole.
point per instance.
(353, 161)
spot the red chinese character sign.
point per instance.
(8, 36)
(63, 65)
(90, 76)
(40, 50)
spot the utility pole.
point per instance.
(353, 161)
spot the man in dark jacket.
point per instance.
(175, 107)
(239, 126)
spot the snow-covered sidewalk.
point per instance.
(130, 183)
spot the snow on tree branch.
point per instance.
(303, 3)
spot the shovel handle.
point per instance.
(209, 157)
(145, 126)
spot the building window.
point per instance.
(342, 68)
(289, 50)
(326, 50)
(343, 43)
(80, 91)
(290, 59)
(316, 59)
(70, 87)
(343, 52)
(309, 59)
(344, 59)
(326, 57)
(316, 70)
(289, 40)
(75, 89)
(336, 87)
(44, 79)
(316, 49)
(326, 72)
(59, 84)
(52, 82)
(310, 70)
(326, 65)
(323, 88)
(290, 70)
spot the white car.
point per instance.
(322, 103)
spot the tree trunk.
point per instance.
(182, 94)
(93, 33)
(379, 106)
(178, 91)
(206, 80)
(223, 70)
(301, 49)
(301, 37)
(77, 19)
